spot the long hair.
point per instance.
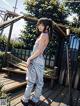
(46, 22)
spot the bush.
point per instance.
(17, 44)
(2, 54)
(3, 42)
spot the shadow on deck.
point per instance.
(58, 96)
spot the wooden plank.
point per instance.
(8, 82)
(16, 100)
(59, 98)
(18, 65)
(77, 77)
(47, 73)
(61, 77)
(13, 86)
(54, 104)
(15, 70)
(19, 104)
(75, 96)
(63, 104)
(15, 61)
(17, 94)
(22, 64)
(46, 93)
(12, 78)
(78, 101)
(12, 57)
(46, 99)
(65, 101)
(3, 78)
(7, 23)
(3, 75)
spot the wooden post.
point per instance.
(9, 37)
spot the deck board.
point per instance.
(57, 101)
(58, 96)
(65, 100)
(75, 96)
(11, 83)
(78, 101)
(15, 101)
(12, 86)
(52, 95)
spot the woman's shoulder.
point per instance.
(44, 33)
(44, 37)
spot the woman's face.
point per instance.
(41, 27)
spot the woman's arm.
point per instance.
(39, 50)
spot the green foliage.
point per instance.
(28, 40)
(1, 93)
(17, 44)
(76, 30)
(3, 38)
(3, 42)
(45, 8)
(2, 54)
(73, 6)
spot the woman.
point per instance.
(36, 63)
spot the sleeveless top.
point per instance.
(39, 59)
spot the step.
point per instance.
(48, 73)
(12, 86)
(16, 97)
(11, 83)
(18, 65)
(15, 70)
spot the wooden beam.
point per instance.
(7, 23)
(12, 13)
(59, 29)
(31, 18)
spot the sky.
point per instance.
(18, 26)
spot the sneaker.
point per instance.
(24, 103)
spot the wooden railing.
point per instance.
(24, 54)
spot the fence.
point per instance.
(24, 54)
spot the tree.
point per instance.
(73, 8)
(40, 8)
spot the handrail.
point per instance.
(9, 22)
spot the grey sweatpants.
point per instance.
(34, 76)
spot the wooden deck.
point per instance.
(13, 79)
(58, 96)
(53, 97)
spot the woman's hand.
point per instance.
(28, 62)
